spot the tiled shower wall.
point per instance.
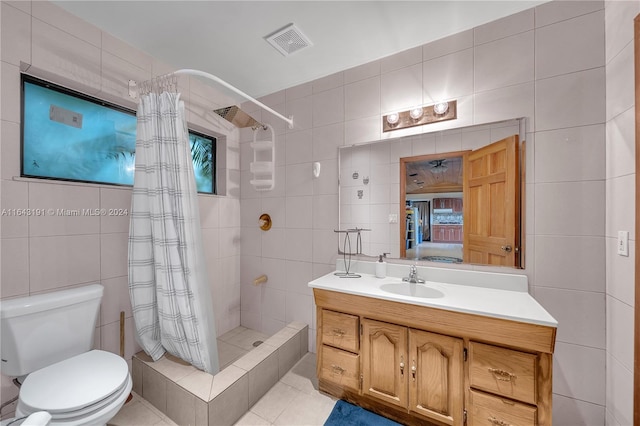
(45, 253)
(620, 213)
(546, 64)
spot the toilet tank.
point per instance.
(37, 331)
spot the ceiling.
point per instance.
(226, 38)
(435, 175)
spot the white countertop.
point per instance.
(482, 293)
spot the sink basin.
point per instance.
(414, 290)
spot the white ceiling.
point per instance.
(226, 38)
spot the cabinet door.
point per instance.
(435, 367)
(340, 367)
(457, 205)
(489, 410)
(448, 203)
(340, 330)
(384, 361)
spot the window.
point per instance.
(70, 136)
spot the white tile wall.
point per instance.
(438, 75)
(362, 98)
(620, 146)
(584, 324)
(546, 64)
(582, 47)
(45, 253)
(569, 155)
(401, 88)
(505, 27)
(571, 362)
(570, 262)
(496, 65)
(16, 35)
(570, 208)
(557, 11)
(558, 102)
(561, 101)
(620, 211)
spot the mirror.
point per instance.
(409, 197)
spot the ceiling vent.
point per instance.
(289, 40)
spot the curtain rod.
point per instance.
(133, 90)
(232, 88)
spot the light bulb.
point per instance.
(441, 107)
(393, 118)
(416, 113)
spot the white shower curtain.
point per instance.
(168, 283)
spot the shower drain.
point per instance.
(257, 343)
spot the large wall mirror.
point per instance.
(451, 196)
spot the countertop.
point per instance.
(474, 292)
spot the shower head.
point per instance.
(238, 117)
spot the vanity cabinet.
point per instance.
(423, 365)
(340, 349)
(384, 366)
(414, 369)
(447, 233)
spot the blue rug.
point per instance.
(345, 414)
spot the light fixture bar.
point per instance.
(429, 115)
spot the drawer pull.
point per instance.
(413, 369)
(337, 369)
(338, 332)
(402, 366)
(498, 422)
(502, 375)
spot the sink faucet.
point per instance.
(413, 277)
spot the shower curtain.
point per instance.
(168, 283)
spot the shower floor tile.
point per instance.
(228, 353)
(294, 400)
(245, 338)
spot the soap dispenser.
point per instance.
(381, 267)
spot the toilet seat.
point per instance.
(75, 388)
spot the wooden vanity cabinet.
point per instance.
(384, 361)
(414, 369)
(422, 365)
(339, 351)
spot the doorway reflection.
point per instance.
(433, 225)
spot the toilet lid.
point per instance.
(75, 383)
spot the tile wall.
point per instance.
(40, 254)
(620, 214)
(552, 64)
(546, 63)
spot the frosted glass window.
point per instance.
(70, 136)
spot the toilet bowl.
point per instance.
(48, 338)
(87, 389)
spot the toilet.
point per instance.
(46, 343)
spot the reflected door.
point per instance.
(491, 204)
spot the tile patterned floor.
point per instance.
(237, 342)
(293, 401)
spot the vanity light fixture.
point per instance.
(441, 111)
(392, 119)
(441, 107)
(416, 113)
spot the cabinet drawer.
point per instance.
(340, 330)
(503, 371)
(488, 410)
(340, 367)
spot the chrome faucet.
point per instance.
(413, 277)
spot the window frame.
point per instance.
(26, 78)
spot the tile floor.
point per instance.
(293, 401)
(435, 249)
(235, 343)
